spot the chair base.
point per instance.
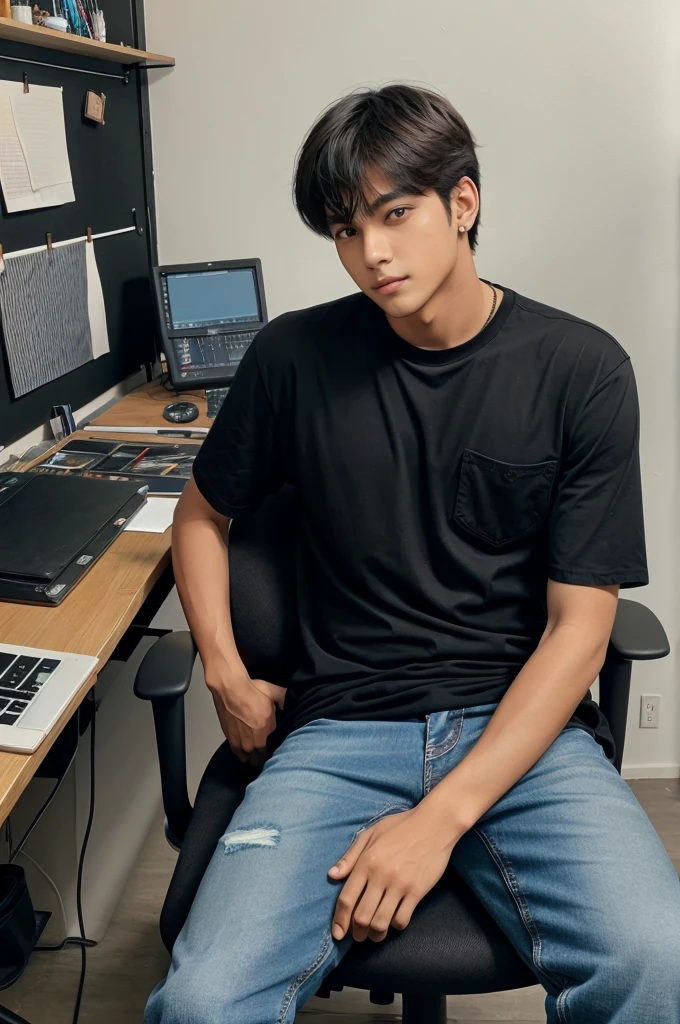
(424, 1009)
(7, 1017)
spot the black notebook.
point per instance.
(53, 528)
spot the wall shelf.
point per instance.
(36, 35)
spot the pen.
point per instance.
(139, 458)
(180, 433)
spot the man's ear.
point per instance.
(464, 203)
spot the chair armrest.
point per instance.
(163, 677)
(165, 671)
(637, 634)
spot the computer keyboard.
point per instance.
(215, 398)
(35, 687)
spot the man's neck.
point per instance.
(455, 313)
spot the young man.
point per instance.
(466, 464)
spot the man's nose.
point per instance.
(376, 249)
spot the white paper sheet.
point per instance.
(154, 517)
(40, 125)
(14, 173)
(95, 303)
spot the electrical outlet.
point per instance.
(649, 710)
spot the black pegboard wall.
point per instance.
(109, 176)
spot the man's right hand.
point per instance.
(245, 708)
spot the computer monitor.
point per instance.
(209, 313)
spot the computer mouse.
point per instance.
(180, 412)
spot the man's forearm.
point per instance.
(201, 566)
(531, 715)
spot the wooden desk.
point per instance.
(144, 408)
(95, 616)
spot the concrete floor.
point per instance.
(124, 967)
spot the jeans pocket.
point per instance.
(384, 813)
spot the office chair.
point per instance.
(452, 945)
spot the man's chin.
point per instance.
(396, 313)
(396, 306)
(400, 309)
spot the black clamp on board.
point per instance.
(65, 414)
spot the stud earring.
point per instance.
(462, 228)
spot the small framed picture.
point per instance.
(95, 105)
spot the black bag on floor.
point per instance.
(17, 924)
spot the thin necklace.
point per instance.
(493, 306)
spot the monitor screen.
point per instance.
(212, 298)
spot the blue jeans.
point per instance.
(567, 863)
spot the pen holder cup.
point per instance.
(23, 14)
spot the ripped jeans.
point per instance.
(558, 862)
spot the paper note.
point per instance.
(40, 125)
(95, 304)
(16, 181)
(14, 173)
(154, 517)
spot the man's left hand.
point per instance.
(391, 866)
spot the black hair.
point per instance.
(413, 135)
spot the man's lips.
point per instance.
(389, 284)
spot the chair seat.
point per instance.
(451, 945)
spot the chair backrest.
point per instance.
(262, 576)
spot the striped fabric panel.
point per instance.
(45, 321)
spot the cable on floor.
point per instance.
(81, 864)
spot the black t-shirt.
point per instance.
(438, 491)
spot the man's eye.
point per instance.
(342, 233)
(398, 212)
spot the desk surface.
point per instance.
(144, 408)
(94, 617)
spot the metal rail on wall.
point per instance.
(80, 71)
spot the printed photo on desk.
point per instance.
(164, 467)
(53, 317)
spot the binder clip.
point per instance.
(26, 88)
(48, 241)
(89, 235)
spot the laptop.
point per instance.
(35, 688)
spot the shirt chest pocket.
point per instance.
(502, 502)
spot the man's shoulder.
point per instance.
(578, 340)
(288, 334)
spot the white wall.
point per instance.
(575, 107)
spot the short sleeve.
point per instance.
(239, 464)
(596, 529)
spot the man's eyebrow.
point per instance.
(382, 200)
